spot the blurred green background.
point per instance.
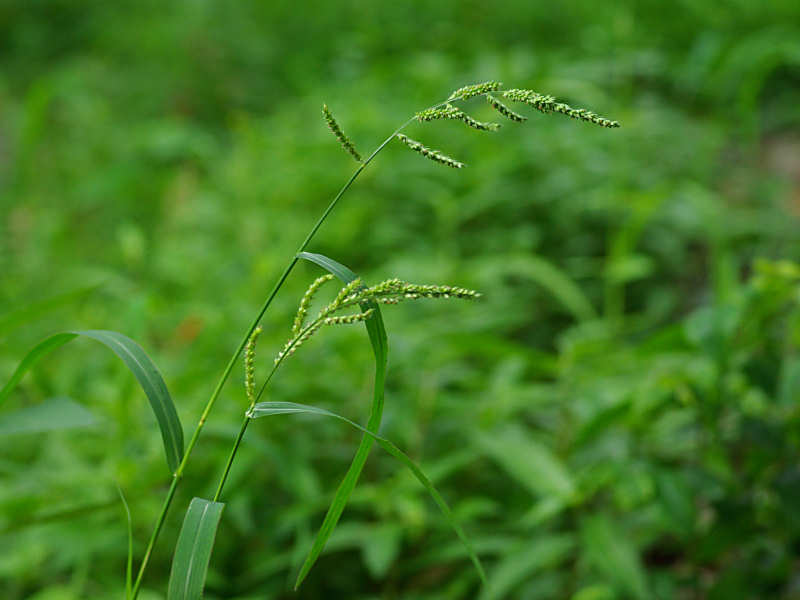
(617, 418)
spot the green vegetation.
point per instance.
(617, 417)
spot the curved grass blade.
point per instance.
(380, 348)
(136, 359)
(193, 551)
(38, 351)
(129, 562)
(265, 409)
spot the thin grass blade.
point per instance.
(265, 409)
(129, 562)
(193, 551)
(137, 361)
(37, 352)
(380, 349)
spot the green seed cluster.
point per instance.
(337, 131)
(504, 110)
(349, 319)
(249, 364)
(469, 91)
(302, 310)
(391, 291)
(434, 155)
(451, 112)
(479, 125)
(548, 104)
(433, 114)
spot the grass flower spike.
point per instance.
(302, 310)
(249, 365)
(548, 104)
(434, 155)
(469, 91)
(504, 110)
(337, 131)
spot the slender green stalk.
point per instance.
(232, 455)
(178, 475)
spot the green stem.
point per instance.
(231, 363)
(238, 441)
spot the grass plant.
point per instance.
(195, 543)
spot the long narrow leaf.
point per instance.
(380, 348)
(129, 562)
(193, 551)
(265, 409)
(136, 359)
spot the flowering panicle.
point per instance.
(548, 104)
(479, 125)
(433, 114)
(337, 131)
(349, 319)
(428, 153)
(302, 310)
(249, 364)
(504, 110)
(451, 112)
(391, 291)
(469, 91)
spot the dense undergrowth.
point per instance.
(618, 418)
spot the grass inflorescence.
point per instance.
(548, 104)
(434, 155)
(390, 291)
(354, 303)
(337, 131)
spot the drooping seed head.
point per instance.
(469, 91)
(337, 131)
(548, 104)
(434, 155)
(504, 110)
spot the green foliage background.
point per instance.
(618, 418)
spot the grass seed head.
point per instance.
(249, 364)
(504, 110)
(548, 104)
(434, 155)
(469, 91)
(337, 131)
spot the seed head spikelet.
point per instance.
(249, 365)
(434, 155)
(433, 114)
(504, 110)
(469, 91)
(548, 104)
(390, 291)
(454, 114)
(302, 310)
(337, 131)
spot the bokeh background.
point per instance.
(616, 418)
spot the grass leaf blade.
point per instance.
(193, 550)
(265, 409)
(37, 352)
(380, 348)
(129, 561)
(137, 361)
